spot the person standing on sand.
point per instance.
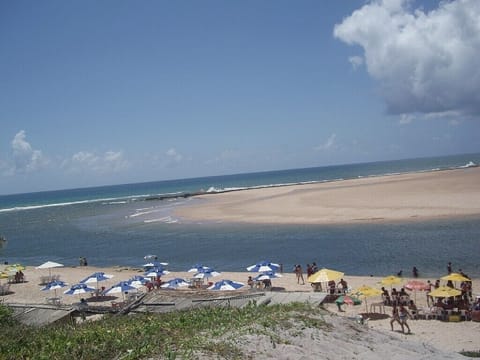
(299, 274)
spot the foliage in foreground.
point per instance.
(170, 335)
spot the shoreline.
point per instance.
(447, 336)
(415, 196)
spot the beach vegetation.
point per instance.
(472, 354)
(6, 315)
(209, 331)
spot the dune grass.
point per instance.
(211, 332)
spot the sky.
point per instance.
(113, 92)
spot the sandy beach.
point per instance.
(446, 336)
(416, 196)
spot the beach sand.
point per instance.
(415, 196)
(446, 336)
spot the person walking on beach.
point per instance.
(395, 317)
(403, 314)
(299, 274)
(449, 268)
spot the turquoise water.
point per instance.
(116, 225)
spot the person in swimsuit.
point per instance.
(403, 315)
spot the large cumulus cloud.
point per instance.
(425, 61)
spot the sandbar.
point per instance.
(401, 197)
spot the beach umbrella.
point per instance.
(325, 275)
(199, 267)
(121, 287)
(226, 285)
(267, 276)
(175, 284)
(206, 274)
(54, 285)
(96, 277)
(455, 277)
(391, 280)
(49, 265)
(366, 292)
(137, 281)
(264, 266)
(416, 285)
(80, 288)
(444, 291)
(345, 299)
(156, 272)
(14, 268)
(155, 264)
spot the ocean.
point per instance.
(120, 224)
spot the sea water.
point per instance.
(120, 224)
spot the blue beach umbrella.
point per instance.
(79, 289)
(226, 285)
(199, 267)
(264, 266)
(206, 274)
(153, 264)
(137, 281)
(54, 285)
(175, 284)
(156, 272)
(121, 287)
(96, 277)
(267, 276)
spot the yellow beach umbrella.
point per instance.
(3, 275)
(391, 280)
(366, 291)
(455, 277)
(15, 268)
(325, 275)
(444, 291)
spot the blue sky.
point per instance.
(97, 93)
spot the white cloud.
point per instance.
(85, 161)
(25, 158)
(356, 61)
(173, 155)
(406, 119)
(424, 61)
(327, 145)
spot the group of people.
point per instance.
(395, 297)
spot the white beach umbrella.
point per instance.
(49, 265)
